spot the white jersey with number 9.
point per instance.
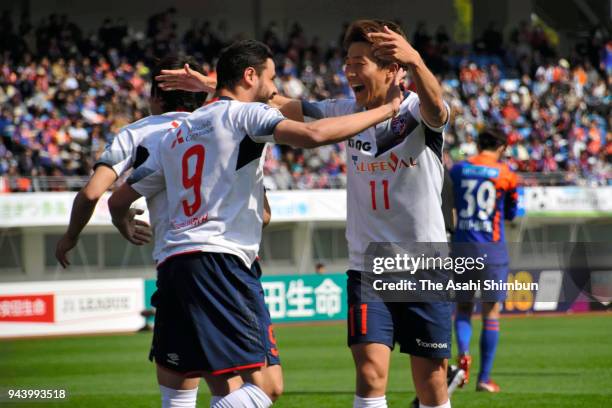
(212, 169)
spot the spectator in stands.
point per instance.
(64, 93)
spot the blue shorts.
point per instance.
(495, 272)
(421, 329)
(211, 316)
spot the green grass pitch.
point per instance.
(541, 362)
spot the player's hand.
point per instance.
(395, 96)
(138, 232)
(185, 79)
(391, 46)
(65, 244)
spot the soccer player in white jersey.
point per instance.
(211, 316)
(395, 175)
(129, 149)
(394, 188)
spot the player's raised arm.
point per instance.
(246, 74)
(290, 108)
(333, 130)
(393, 46)
(185, 79)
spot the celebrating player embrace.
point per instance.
(211, 318)
(395, 175)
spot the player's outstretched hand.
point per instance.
(138, 232)
(389, 45)
(185, 79)
(65, 244)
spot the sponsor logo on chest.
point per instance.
(194, 133)
(392, 164)
(360, 145)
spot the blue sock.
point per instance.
(463, 331)
(488, 344)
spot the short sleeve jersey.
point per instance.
(212, 169)
(394, 179)
(130, 148)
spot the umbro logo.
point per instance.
(173, 358)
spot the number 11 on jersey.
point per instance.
(385, 188)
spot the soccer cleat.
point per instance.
(464, 362)
(454, 378)
(487, 386)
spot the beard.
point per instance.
(262, 94)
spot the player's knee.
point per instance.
(429, 372)
(275, 390)
(273, 380)
(372, 376)
(438, 377)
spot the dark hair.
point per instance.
(358, 32)
(491, 139)
(239, 56)
(177, 100)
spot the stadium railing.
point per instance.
(19, 184)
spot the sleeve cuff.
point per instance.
(268, 138)
(439, 129)
(110, 166)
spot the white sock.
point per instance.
(247, 396)
(375, 402)
(445, 405)
(214, 399)
(172, 398)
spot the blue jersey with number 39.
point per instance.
(485, 195)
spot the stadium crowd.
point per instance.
(64, 94)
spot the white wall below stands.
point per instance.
(71, 307)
